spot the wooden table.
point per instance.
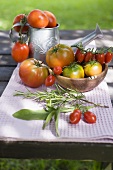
(11, 148)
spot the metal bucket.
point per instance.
(41, 40)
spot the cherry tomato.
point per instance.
(80, 56)
(52, 19)
(89, 117)
(32, 73)
(18, 19)
(100, 57)
(57, 70)
(108, 57)
(50, 80)
(88, 56)
(59, 55)
(73, 71)
(92, 68)
(38, 19)
(75, 116)
(20, 51)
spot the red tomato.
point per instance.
(18, 19)
(32, 73)
(52, 19)
(50, 80)
(88, 56)
(108, 57)
(38, 19)
(20, 52)
(80, 56)
(92, 68)
(57, 70)
(75, 116)
(59, 55)
(89, 117)
(100, 57)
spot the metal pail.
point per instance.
(41, 40)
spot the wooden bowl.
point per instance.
(82, 84)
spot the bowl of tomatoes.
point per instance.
(85, 84)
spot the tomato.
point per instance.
(108, 57)
(100, 57)
(21, 18)
(20, 52)
(73, 71)
(32, 73)
(59, 55)
(57, 70)
(37, 19)
(75, 116)
(52, 19)
(92, 68)
(80, 56)
(89, 117)
(88, 56)
(50, 80)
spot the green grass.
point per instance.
(71, 14)
(11, 164)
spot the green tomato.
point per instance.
(73, 71)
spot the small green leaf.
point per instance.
(26, 114)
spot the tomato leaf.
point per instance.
(26, 114)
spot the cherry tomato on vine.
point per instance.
(37, 19)
(88, 56)
(18, 19)
(57, 70)
(108, 57)
(100, 57)
(59, 55)
(20, 52)
(92, 68)
(80, 56)
(89, 117)
(75, 116)
(32, 73)
(50, 80)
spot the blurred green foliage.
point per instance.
(71, 14)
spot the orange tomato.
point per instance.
(18, 19)
(38, 19)
(52, 19)
(20, 52)
(59, 55)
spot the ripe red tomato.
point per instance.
(38, 19)
(57, 70)
(59, 55)
(80, 56)
(75, 116)
(20, 52)
(50, 80)
(18, 19)
(108, 57)
(100, 57)
(73, 71)
(32, 73)
(52, 19)
(89, 117)
(88, 56)
(92, 68)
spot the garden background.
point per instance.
(71, 15)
